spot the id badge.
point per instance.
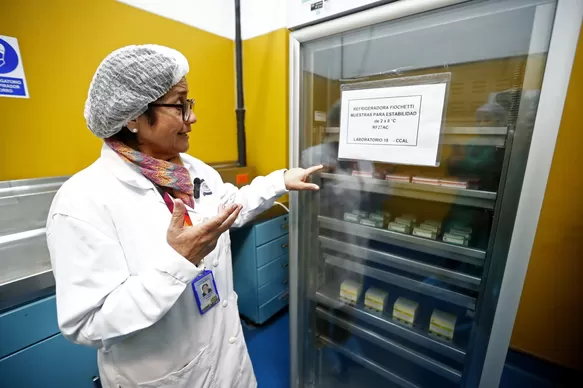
(205, 291)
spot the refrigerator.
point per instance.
(406, 267)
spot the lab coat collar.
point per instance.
(126, 173)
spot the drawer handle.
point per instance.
(285, 265)
(285, 226)
(284, 245)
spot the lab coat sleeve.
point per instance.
(255, 197)
(98, 301)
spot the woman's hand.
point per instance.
(296, 178)
(196, 242)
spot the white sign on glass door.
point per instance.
(400, 125)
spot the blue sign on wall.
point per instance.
(12, 80)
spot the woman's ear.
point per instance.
(133, 126)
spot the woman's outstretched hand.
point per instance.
(296, 179)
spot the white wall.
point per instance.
(258, 17)
(214, 16)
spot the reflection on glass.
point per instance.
(419, 234)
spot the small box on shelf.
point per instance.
(398, 178)
(425, 180)
(404, 221)
(351, 217)
(464, 232)
(425, 233)
(405, 311)
(350, 291)
(400, 228)
(363, 174)
(442, 324)
(361, 213)
(430, 227)
(380, 216)
(371, 223)
(455, 239)
(375, 299)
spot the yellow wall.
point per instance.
(265, 61)
(62, 42)
(550, 314)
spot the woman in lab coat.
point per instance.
(124, 265)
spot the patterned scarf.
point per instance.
(168, 174)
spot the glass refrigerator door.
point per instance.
(399, 266)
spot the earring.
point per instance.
(135, 130)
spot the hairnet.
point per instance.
(128, 80)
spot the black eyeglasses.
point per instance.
(186, 108)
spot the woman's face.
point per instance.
(166, 134)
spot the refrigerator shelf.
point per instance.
(396, 348)
(445, 275)
(386, 323)
(477, 136)
(428, 289)
(437, 248)
(371, 365)
(475, 198)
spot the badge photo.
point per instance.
(205, 291)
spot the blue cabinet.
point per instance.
(260, 268)
(53, 362)
(34, 354)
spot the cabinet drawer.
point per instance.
(274, 270)
(27, 325)
(273, 288)
(270, 230)
(272, 250)
(268, 309)
(54, 362)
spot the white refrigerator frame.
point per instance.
(561, 53)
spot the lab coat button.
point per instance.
(232, 340)
(225, 303)
(216, 263)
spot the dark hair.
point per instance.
(128, 137)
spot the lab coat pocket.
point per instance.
(197, 373)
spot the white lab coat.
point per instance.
(122, 289)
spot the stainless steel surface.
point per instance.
(394, 347)
(25, 268)
(438, 248)
(566, 27)
(459, 279)
(373, 366)
(384, 322)
(31, 185)
(403, 282)
(24, 204)
(476, 198)
(22, 255)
